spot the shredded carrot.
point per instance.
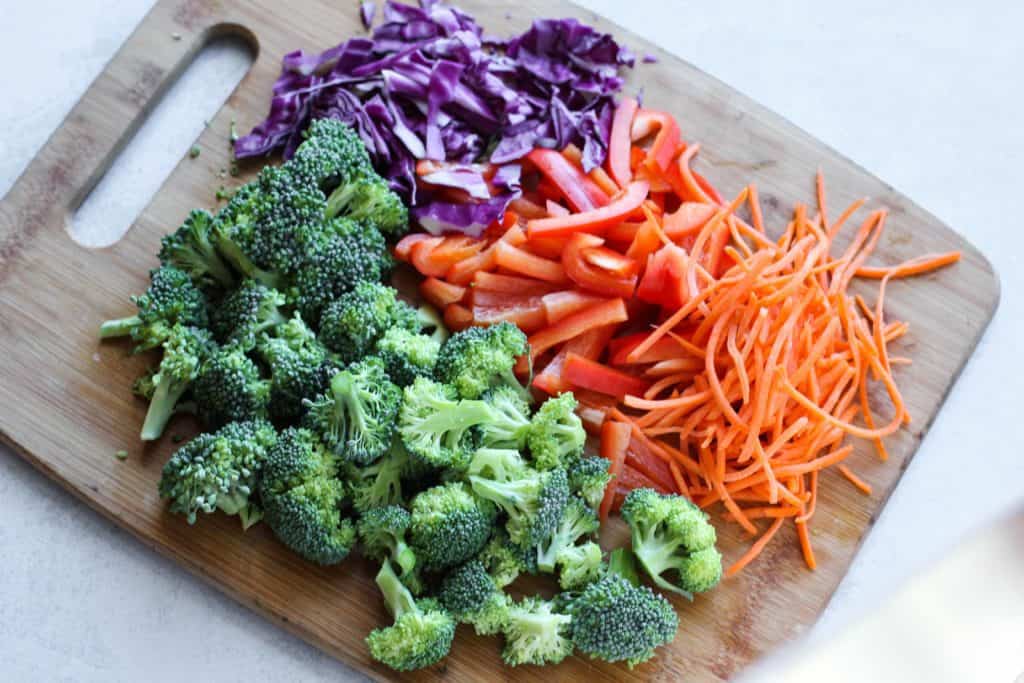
(855, 480)
(755, 549)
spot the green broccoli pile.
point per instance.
(347, 420)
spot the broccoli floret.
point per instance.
(191, 249)
(580, 565)
(370, 199)
(672, 535)
(407, 355)
(588, 478)
(302, 498)
(449, 525)
(382, 532)
(299, 367)
(184, 352)
(534, 502)
(479, 358)
(615, 621)
(556, 437)
(511, 428)
(356, 416)
(622, 562)
(233, 229)
(470, 595)
(246, 312)
(498, 464)
(229, 388)
(578, 521)
(432, 324)
(291, 215)
(503, 559)
(351, 325)
(144, 385)
(347, 253)
(422, 633)
(332, 153)
(436, 427)
(380, 483)
(219, 471)
(171, 299)
(536, 633)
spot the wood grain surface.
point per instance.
(66, 403)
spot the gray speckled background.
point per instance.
(926, 95)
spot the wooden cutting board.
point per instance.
(67, 404)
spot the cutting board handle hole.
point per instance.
(165, 138)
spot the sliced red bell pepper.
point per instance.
(641, 458)
(434, 256)
(664, 280)
(631, 478)
(620, 141)
(560, 305)
(527, 209)
(588, 276)
(624, 232)
(511, 284)
(593, 409)
(589, 374)
(590, 344)
(665, 348)
(523, 262)
(489, 299)
(405, 245)
(419, 256)
(527, 315)
(646, 241)
(548, 247)
(666, 143)
(555, 209)
(440, 293)
(596, 220)
(614, 443)
(463, 272)
(688, 219)
(457, 317)
(610, 261)
(598, 315)
(581, 192)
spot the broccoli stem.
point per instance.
(509, 378)
(243, 264)
(338, 200)
(623, 563)
(249, 514)
(405, 557)
(396, 596)
(430, 320)
(219, 270)
(161, 407)
(118, 328)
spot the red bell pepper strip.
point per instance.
(463, 272)
(527, 315)
(527, 209)
(589, 277)
(664, 281)
(640, 457)
(688, 219)
(665, 348)
(523, 262)
(633, 478)
(604, 313)
(596, 220)
(666, 143)
(624, 232)
(490, 299)
(547, 247)
(555, 209)
(405, 245)
(620, 142)
(593, 409)
(457, 317)
(440, 293)
(511, 284)
(590, 344)
(614, 442)
(419, 256)
(569, 181)
(610, 261)
(589, 374)
(560, 305)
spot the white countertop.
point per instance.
(927, 96)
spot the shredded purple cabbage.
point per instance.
(429, 84)
(367, 11)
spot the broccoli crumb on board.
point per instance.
(344, 418)
(194, 151)
(121, 455)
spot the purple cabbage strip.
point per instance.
(428, 83)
